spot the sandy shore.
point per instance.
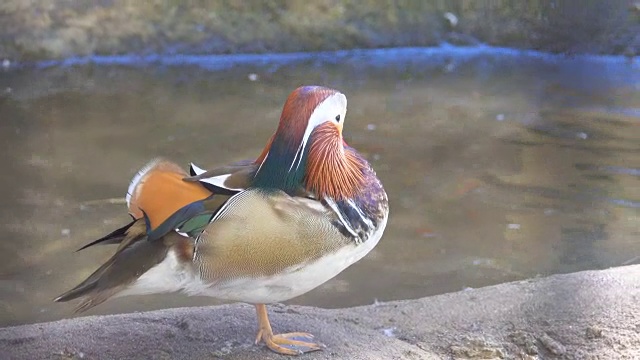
(586, 315)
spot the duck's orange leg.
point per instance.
(295, 343)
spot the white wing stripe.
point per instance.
(137, 178)
(332, 204)
(214, 180)
(219, 182)
(197, 170)
(361, 214)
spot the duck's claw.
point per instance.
(295, 343)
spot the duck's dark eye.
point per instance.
(338, 118)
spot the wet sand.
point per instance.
(585, 315)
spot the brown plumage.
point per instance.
(277, 232)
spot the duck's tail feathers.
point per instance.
(134, 257)
(115, 237)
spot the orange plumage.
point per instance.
(159, 191)
(332, 171)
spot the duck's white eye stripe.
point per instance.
(336, 103)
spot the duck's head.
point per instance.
(307, 149)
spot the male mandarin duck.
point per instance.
(258, 231)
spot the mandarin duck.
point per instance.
(257, 231)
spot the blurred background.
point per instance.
(507, 134)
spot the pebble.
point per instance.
(594, 332)
(390, 332)
(552, 345)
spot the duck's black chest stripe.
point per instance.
(353, 221)
(363, 223)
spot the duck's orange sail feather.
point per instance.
(159, 190)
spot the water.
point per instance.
(499, 165)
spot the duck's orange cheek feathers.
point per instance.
(159, 191)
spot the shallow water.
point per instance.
(499, 165)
